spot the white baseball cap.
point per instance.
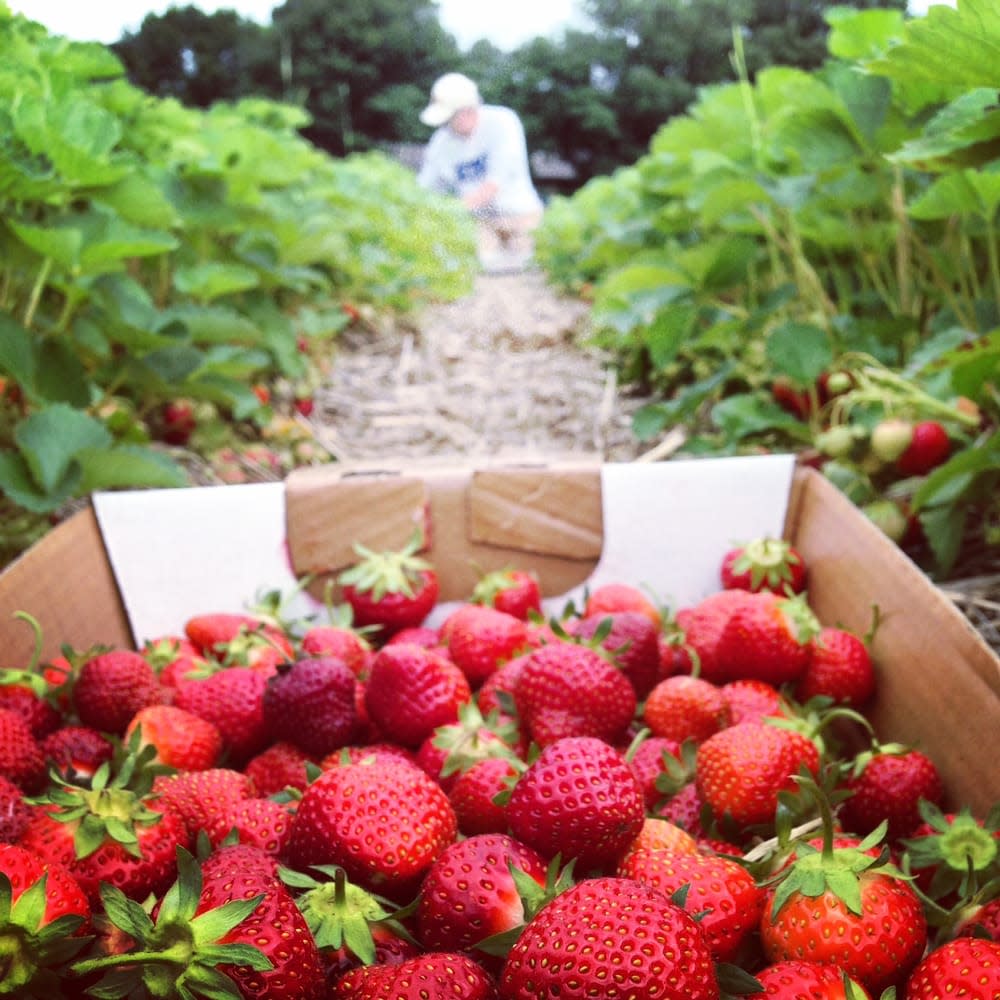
(450, 94)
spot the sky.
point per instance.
(507, 24)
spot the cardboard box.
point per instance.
(939, 683)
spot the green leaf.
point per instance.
(666, 335)
(862, 34)
(173, 365)
(964, 133)
(213, 924)
(128, 465)
(50, 438)
(799, 350)
(949, 482)
(965, 192)
(125, 913)
(28, 910)
(17, 483)
(139, 199)
(62, 242)
(944, 528)
(744, 414)
(17, 355)
(208, 281)
(61, 375)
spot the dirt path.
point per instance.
(499, 373)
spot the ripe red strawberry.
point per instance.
(480, 639)
(182, 739)
(232, 929)
(797, 979)
(752, 701)
(233, 700)
(611, 921)
(211, 633)
(341, 641)
(111, 687)
(768, 638)
(383, 821)
(840, 668)
(30, 701)
(515, 591)
(13, 812)
(740, 770)
(311, 704)
(429, 638)
(21, 759)
(76, 751)
(685, 808)
(659, 835)
(764, 564)
(648, 762)
(173, 658)
(257, 822)
(929, 446)
(580, 800)
(566, 689)
(723, 893)
(610, 598)
(842, 906)
(632, 641)
(411, 691)
(42, 922)
(473, 796)
(966, 967)
(701, 627)
(109, 832)
(434, 975)
(499, 687)
(281, 765)
(889, 784)
(685, 708)
(469, 893)
(198, 797)
(392, 590)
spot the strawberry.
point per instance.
(768, 638)
(966, 967)
(432, 976)
(580, 800)
(887, 784)
(210, 633)
(350, 925)
(30, 701)
(685, 708)
(44, 917)
(310, 703)
(685, 808)
(890, 438)
(632, 641)
(181, 739)
(383, 821)
(112, 687)
(610, 598)
(740, 770)
(514, 591)
(21, 759)
(230, 929)
(13, 812)
(258, 822)
(660, 835)
(233, 700)
(392, 590)
(841, 906)
(76, 751)
(764, 564)
(173, 658)
(341, 641)
(797, 979)
(499, 687)
(700, 628)
(594, 940)
(178, 422)
(929, 446)
(470, 893)
(752, 701)
(422, 635)
(473, 796)
(411, 691)
(723, 893)
(114, 831)
(480, 639)
(280, 766)
(566, 689)
(840, 667)
(647, 762)
(198, 797)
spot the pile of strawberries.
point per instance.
(611, 804)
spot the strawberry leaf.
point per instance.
(213, 924)
(124, 913)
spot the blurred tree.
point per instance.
(197, 57)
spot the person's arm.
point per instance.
(432, 173)
(508, 155)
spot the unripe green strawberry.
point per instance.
(890, 438)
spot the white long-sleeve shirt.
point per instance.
(496, 150)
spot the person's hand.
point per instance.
(481, 196)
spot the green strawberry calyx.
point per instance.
(475, 737)
(388, 572)
(177, 955)
(341, 914)
(490, 584)
(804, 624)
(768, 561)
